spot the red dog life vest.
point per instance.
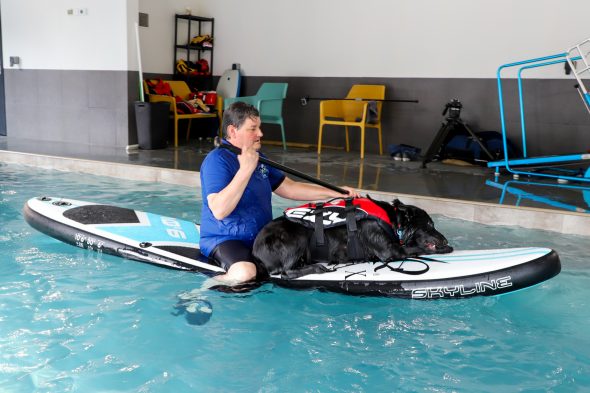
(337, 212)
(334, 213)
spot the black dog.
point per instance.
(283, 247)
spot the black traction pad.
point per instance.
(101, 214)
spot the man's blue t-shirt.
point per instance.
(252, 212)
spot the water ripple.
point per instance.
(73, 320)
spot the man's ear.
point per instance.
(231, 131)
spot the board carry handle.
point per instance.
(283, 168)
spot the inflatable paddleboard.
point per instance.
(174, 243)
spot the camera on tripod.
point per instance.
(453, 108)
(454, 129)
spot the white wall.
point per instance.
(392, 38)
(45, 37)
(157, 40)
(131, 20)
(373, 38)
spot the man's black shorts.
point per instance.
(232, 251)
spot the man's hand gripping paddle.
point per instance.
(283, 168)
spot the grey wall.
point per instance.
(88, 107)
(96, 107)
(556, 119)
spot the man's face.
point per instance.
(249, 134)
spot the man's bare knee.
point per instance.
(242, 272)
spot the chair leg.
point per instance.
(380, 140)
(175, 132)
(188, 130)
(320, 138)
(219, 106)
(362, 141)
(283, 135)
(347, 140)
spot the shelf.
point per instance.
(194, 18)
(193, 47)
(185, 76)
(195, 26)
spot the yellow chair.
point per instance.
(181, 89)
(353, 112)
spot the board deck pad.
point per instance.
(174, 243)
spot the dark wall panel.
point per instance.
(556, 119)
(97, 108)
(133, 94)
(87, 107)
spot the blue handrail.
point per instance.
(501, 100)
(520, 94)
(506, 162)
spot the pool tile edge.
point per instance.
(102, 168)
(481, 212)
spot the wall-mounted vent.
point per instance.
(144, 19)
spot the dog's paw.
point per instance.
(306, 270)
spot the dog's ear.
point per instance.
(381, 204)
(405, 213)
(389, 210)
(397, 203)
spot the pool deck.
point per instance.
(465, 192)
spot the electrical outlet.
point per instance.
(77, 11)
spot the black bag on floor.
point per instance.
(463, 147)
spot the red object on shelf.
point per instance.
(208, 97)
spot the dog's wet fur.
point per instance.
(282, 246)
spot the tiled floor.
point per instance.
(375, 173)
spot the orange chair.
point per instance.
(353, 112)
(181, 89)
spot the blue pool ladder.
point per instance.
(573, 55)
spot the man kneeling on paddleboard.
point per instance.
(237, 190)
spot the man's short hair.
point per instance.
(237, 114)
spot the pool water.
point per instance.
(72, 320)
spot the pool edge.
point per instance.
(572, 223)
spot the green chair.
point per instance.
(269, 102)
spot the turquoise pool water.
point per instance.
(77, 321)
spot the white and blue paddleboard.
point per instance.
(174, 243)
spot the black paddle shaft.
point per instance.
(304, 100)
(292, 171)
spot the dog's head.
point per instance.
(415, 228)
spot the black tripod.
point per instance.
(452, 124)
